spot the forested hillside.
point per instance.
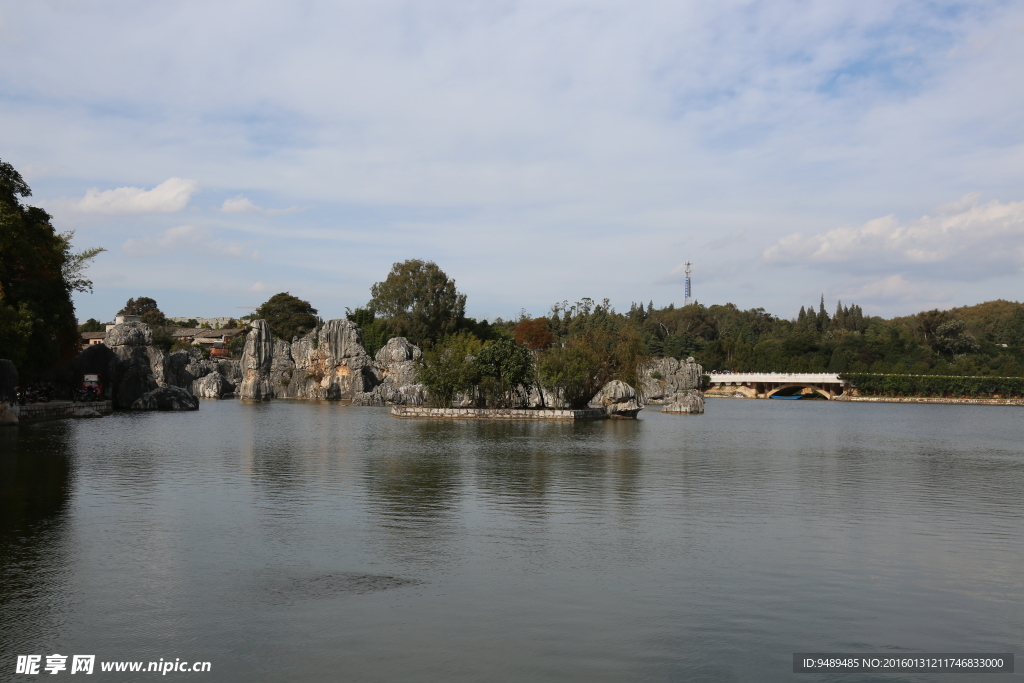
(985, 339)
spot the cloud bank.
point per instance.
(966, 239)
(170, 196)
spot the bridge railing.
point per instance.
(743, 377)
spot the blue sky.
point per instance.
(537, 151)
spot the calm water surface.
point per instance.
(316, 542)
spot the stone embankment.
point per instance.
(498, 413)
(59, 410)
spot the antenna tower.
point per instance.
(687, 294)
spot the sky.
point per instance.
(868, 151)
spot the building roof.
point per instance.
(94, 335)
(226, 332)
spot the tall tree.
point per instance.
(38, 273)
(288, 316)
(147, 310)
(447, 368)
(419, 301)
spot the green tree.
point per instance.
(419, 301)
(147, 310)
(38, 273)
(375, 330)
(573, 373)
(288, 316)
(91, 325)
(951, 338)
(447, 368)
(162, 339)
(502, 366)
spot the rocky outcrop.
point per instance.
(129, 334)
(212, 385)
(186, 369)
(663, 378)
(619, 399)
(158, 363)
(166, 398)
(329, 363)
(231, 370)
(257, 361)
(282, 368)
(395, 372)
(176, 372)
(542, 397)
(688, 401)
(676, 384)
(130, 373)
(398, 350)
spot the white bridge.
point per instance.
(768, 384)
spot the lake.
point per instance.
(318, 542)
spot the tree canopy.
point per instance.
(500, 367)
(38, 273)
(288, 316)
(418, 301)
(147, 310)
(447, 368)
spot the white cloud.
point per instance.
(191, 239)
(965, 239)
(170, 196)
(241, 204)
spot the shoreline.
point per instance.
(937, 399)
(913, 399)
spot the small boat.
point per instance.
(788, 398)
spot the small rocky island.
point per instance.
(330, 363)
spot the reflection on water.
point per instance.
(35, 486)
(305, 541)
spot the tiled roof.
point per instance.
(94, 335)
(205, 334)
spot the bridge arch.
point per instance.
(796, 388)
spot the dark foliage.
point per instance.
(936, 385)
(91, 325)
(38, 273)
(147, 310)
(375, 330)
(288, 316)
